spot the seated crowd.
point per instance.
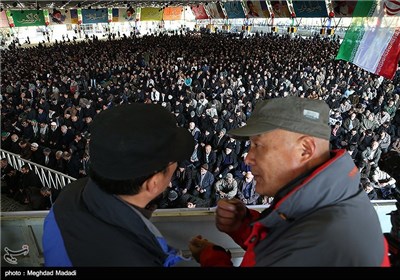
(211, 83)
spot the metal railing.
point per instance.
(49, 177)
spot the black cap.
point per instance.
(230, 146)
(134, 140)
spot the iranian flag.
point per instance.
(372, 41)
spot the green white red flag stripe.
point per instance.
(372, 41)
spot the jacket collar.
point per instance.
(321, 188)
(113, 210)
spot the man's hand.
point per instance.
(197, 245)
(229, 215)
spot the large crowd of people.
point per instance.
(211, 83)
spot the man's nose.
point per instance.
(249, 158)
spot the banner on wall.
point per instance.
(123, 14)
(94, 16)
(173, 13)
(308, 9)
(27, 18)
(215, 10)
(199, 12)
(234, 9)
(3, 19)
(151, 14)
(343, 8)
(74, 16)
(128, 14)
(280, 8)
(264, 9)
(61, 16)
(257, 9)
(115, 15)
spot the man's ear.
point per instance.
(152, 185)
(308, 147)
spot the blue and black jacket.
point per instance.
(88, 227)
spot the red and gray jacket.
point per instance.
(323, 219)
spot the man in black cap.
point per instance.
(319, 215)
(170, 199)
(204, 181)
(103, 220)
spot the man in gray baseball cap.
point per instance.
(318, 212)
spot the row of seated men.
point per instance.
(199, 187)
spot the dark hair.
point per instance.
(352, 147)
(121, 187)
(26, 166)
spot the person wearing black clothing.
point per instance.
(48, 160)
(208, 156)
(5, 140)
(54, 134)
(203, 184)
(14, 145)
(220, 138)
(217, 124)
(36, 153)
(29, 189)
(180, 119)
(170, 199)
(72, 164)
(337, 135)
(10, 177)
(192, 201)
(206, 137)
(350, 138)
(182, 178)
(104, 219)
(366, 139)
(369, 189)
(226, 162)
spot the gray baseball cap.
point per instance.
(301, 115)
